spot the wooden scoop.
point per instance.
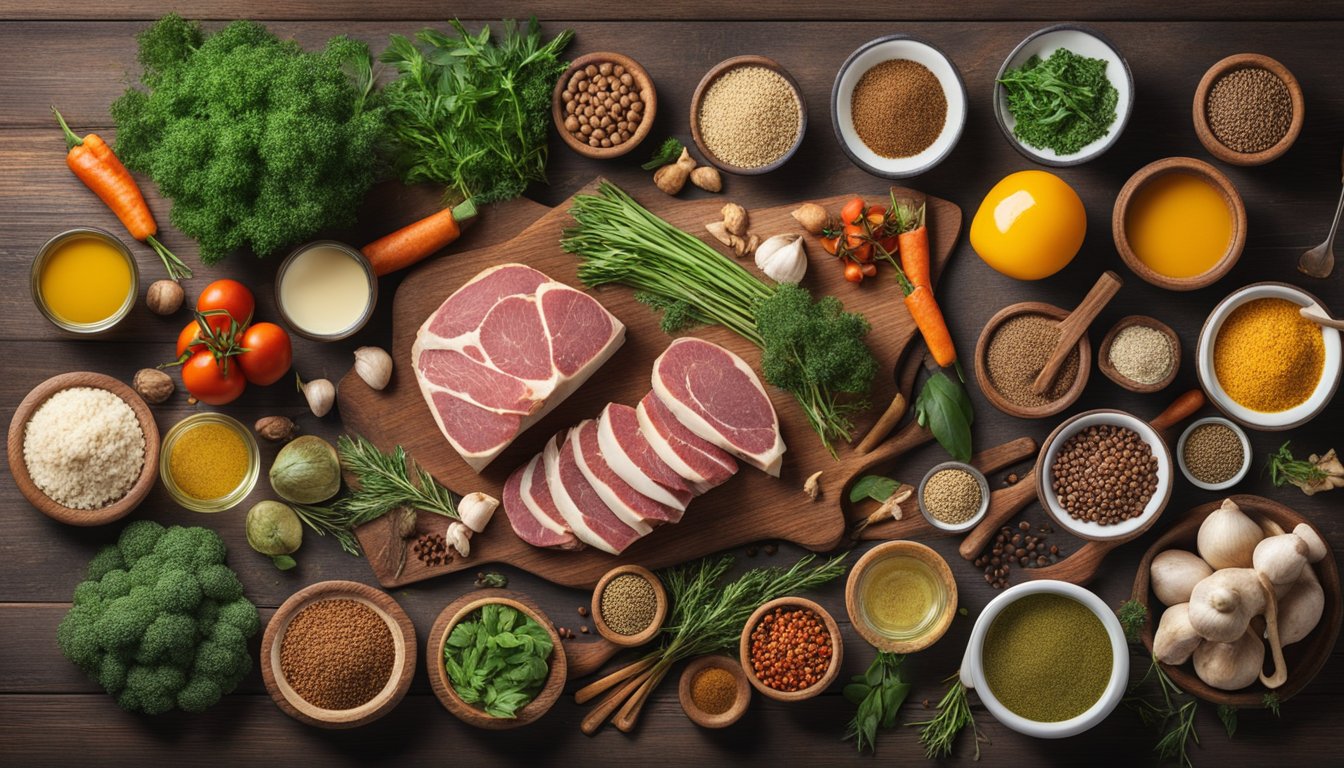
(1074, 326)
(1318, 316)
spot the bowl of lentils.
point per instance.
(1106, 475)
(954, 496)
(604, 105)
(1248, 109)
(748, 115)
(791, 649)
(1214, 454)
(898, 106)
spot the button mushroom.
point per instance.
(1282, 559)
(1300, 610)
(1227, 537)
(1175, 573)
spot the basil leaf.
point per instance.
(855, 693)
(875, 487)
(944, 407)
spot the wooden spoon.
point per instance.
(1318, 316)
(1074, 326)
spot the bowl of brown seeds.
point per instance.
(1214, 454)
(1248, 109)
(954, 496)
(1140, 353)
(604, 104)
(629, 605)
(1014, 346)
(748, 115)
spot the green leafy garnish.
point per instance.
(471, 111)
(386, 481)
(497, 659)
(1284, 469)
(1228, 715)
(875, 487)
(1167, 713)
(491, 579)
(667, 152)
(1271, 702)
(1064, 102)
(332, 521)
(944, 407)
(283, 562)
(1133, 615)
(939, 733)
(879, 694)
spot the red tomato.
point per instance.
(189, 338)
(869, 270)
(229, 295)
(864, 252)
(888, 245)
(853, 211)
(853, 272)
(877, 216)
(831, 244)
(855, 235)
(268, 353)
(206, 382)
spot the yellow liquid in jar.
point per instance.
(85, 280)
(900, 596)
(1179, 225)
(209, 461)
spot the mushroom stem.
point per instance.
(1280, 675)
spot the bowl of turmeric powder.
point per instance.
(209, 462)
(1262, 363)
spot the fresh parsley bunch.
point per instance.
(497, 659)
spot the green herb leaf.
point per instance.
(875, 487)
(1228, 715)
(667, 152)
(1133, 615)
(944, 407)
(856, 692)
(497, 659)
(1063, 102)
(387, 481)
(1271, 702)
(284, 562)
(879, 694)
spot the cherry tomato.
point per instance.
(877, 217)
(863, 253)
(888, 245)
(229, 295)
(831, 244)
(268, 353)
(853, 211)
(189, 338)
(855, 235)
(869, 270)
(853, 272)
(204, 379)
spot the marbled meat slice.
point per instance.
(591, 520)
(635, 461)
(530, 522)
(703, 466)
(632, 507)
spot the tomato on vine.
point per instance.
(266, 353)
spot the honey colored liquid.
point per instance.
(85, 280)
(899, 596)
(1179, 225)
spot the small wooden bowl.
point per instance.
(403, 668)
(659, 614)
(1304, 658)
(982, 362)
(728, 716)
(458, 610)
(1200, 112)
(717, 71)
(837, 649)
(1204, 171)
(1104, 354)
(647, 93)
(45, 504)
(918, 552)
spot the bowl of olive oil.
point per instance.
(901, 596)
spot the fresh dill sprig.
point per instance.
(1133, 615)
(1283, 469)
(669, 151)
(386, 481)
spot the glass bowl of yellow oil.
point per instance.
(901, 596)
(84, 280)
(209, 462)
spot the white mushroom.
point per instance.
(1175, 573)
(1176, 639)
(1227, 537)
(476, 509)
(1300, 610)
(1222, 605)
(1230, 666)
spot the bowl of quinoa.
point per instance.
(748, 115)
(83, 448)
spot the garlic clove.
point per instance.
(476, 509)
(1174, 574)
(1227, 537)
(320, 394)
(459, 536)
(782, 258)
(1222, 605)
(374, 366)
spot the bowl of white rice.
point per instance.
(83, 448)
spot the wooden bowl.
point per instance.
(1200, 112)
(918, 552)
(837, 649)
(647, 93)
(1204, 171)
(719, 70)
(1303, 658)
(45, 504)
(403, 668)
(982, 362)
(1104, 354)
(458, 610)
(728, 716)
(659, 614)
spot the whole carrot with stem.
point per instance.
(416, 241)
(912, 241)
(94, 163)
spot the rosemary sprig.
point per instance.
(1174, 719)
(328, 520)
(939, 733)
(386, 481)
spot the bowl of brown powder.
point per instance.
(1248, 109)
(1013, 348)
(748, 115)
(898, 106)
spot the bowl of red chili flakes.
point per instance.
(791, 649)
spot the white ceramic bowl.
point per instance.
(1245, 454)
(973, 671)
(869, 55)
(1084, 42)
(1281, 420)
(979, 513)
(1086, 528)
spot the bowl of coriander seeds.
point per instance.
(954, 496)
(1214, 453)
(629, 605)
(748, 115)
(1141, 354)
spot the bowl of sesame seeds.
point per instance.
(1248, 109)
(748, 115)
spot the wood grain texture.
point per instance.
(748, 507)
(49, 711)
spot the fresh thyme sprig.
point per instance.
(386, 481)
(326, 520)
(1173, 718)
(939, 733)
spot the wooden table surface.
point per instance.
(81, 55)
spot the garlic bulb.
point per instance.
(476, 509)
(783, 258)
(459, 536)
(1175, 573)
(1227, 537)
(1230, 666)
(374, 366)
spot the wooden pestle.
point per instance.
(884, 425)
(1074, 326)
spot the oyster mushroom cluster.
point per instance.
(1249, 584)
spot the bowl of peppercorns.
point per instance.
(604, 105)
(1106, 475)
(791, 649)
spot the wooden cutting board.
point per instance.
(750, 507)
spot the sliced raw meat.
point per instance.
(505, 349)
(529, 521)
(632, 507)
(702, 465)
(537, 496)
(585, 513)
(716, 395)
(629, 454)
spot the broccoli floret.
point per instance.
(170, 632)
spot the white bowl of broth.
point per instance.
(326, 290)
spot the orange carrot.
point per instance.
(94, 163)
(924, 309)
(416, 241)
(913, 246)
